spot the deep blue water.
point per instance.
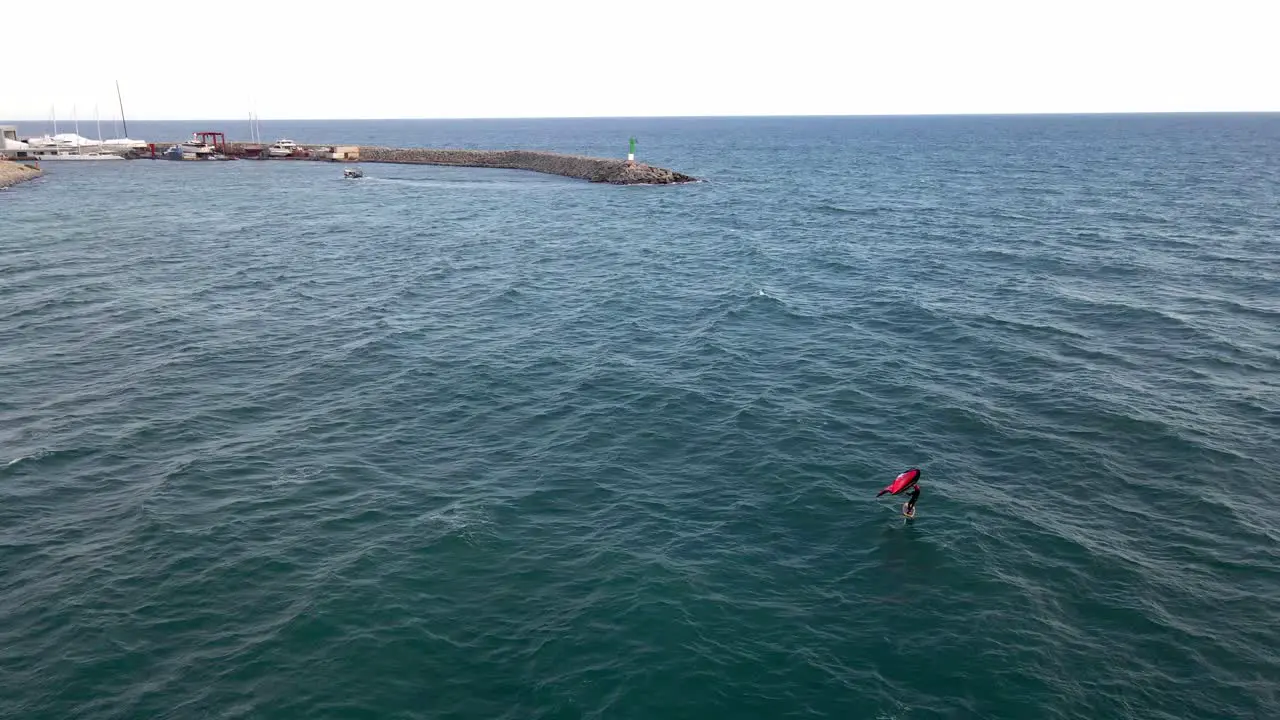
(462, 443)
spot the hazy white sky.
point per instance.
(563, 58)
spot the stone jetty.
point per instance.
(12, 173)
(594, 169)
(602, 170)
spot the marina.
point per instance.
(212, 145)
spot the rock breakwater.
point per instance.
(602, 170)
(12, 173)
(594, 169)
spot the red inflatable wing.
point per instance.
(902, 482)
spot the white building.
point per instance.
(10, 145)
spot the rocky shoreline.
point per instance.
(12, 173)
(601, 170)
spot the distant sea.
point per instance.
(477, 444)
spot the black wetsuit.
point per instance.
(911, 502)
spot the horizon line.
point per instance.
(1090, 113)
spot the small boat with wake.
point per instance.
(352, 173)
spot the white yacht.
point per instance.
(282, 148)
(73, 146)
(192, 149)
(67, 146)
(59, 141)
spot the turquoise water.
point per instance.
(462, 443)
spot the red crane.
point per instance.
(216, 139)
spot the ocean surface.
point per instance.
(480, 444)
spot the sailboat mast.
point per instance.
(98, 120)
(75, 116)
(122, 117)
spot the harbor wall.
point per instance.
(12, 173)
(602, 170)
(618, 172)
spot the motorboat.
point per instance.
(194, 149)
(189, 151)
(353, 173)
(282, 148)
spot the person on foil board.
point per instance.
(909, 479)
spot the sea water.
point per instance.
(466, 443)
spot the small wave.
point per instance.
(445, 181)
(1026, 327)
(42, 456)
(863, 211)
(761, 304)
(1006, 215)
(26, 458)
(1236, 307)
(1124, 314)
(464, 522)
